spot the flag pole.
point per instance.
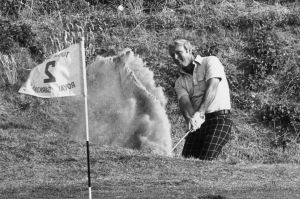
(86, 114)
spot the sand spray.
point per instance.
(126, 108)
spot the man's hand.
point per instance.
(197, 120)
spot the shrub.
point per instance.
(284, 119)
(7, 43)
(12, 8)
(208, 49)
(264, 54)
(17, 35)
(245, 101)
(291, 86)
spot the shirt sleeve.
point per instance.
(214, 69)
(180, 89)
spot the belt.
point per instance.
(217, 113)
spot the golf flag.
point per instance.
(59, 76)
(63, 74)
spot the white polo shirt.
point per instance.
(194, 85)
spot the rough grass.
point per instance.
(38, 160)
(41, 161)
(221, 28)
(47, 165)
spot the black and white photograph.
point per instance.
(149, 99)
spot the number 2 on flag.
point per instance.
(51, 78)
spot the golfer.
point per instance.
(204, 100)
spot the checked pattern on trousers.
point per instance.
(207, 142)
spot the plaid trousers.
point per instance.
(207, 142)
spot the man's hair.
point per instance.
(180, 42)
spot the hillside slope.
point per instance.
(259, 46)
(257, 42)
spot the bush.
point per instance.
(284, 119)
(264, 56)
(245, 101)
(289, 77)
(290, 86)
(12, 8)
(14, 36)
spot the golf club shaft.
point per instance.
(181, 139)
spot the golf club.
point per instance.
(181, 139)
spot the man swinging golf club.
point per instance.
(204, 100)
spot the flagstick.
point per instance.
(86, 115)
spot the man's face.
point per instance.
(181, 56)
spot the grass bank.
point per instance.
(259, 46)
(47, 165)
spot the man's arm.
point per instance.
(210, 94)
(186, 108)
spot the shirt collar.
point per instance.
(197, 61)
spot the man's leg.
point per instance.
(193, 143)
(217, 133)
